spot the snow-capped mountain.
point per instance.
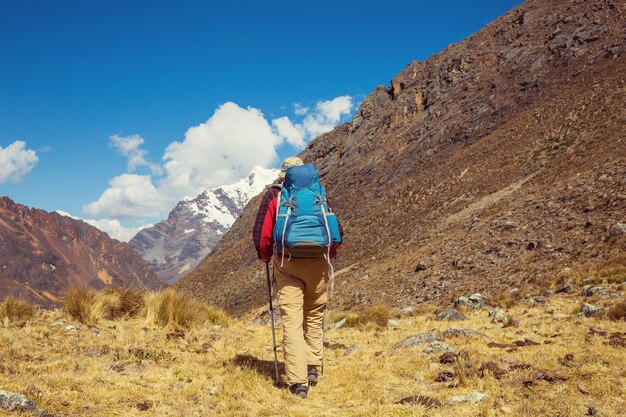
(173, 247)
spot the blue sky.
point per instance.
(74, 74)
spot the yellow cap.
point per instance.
(292, 161)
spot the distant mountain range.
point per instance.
(176, 245)
(43, 253)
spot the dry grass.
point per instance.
(127, 302)
(617, 312)
(608, 272)
(16, 311)
(167, 308)
(374, 317)
(90, 307)
(171, 308)
(78, 302)
(125, 367)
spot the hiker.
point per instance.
(301, 269)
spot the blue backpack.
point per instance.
(305, 227)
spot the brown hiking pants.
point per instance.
(301, 289)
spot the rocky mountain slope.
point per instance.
(176, 245)
(494, 164)
(42, 253)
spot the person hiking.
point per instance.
(301, 268)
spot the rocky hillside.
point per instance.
(176, 245)
(42, 253)
(495, 163)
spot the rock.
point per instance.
(338, 325)
(499, 317)
(537, 299)
(513, 291)
(353, 348)
(550, 376)
(71, 329)
(617, 229)
(420, 400)
(392, 324)
(450, 315)
(589, 310)
(406, 312)
(567, 287)
(492, 369)
(417, 339)
(594, 290)
(145, 405)
(421, 266)
(474, 398)
(12, 401)
(445, 376)
(476, 301)
(438, 347)
(461, 333)
(532, 245)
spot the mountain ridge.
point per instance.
(467, 163)
(43, 253)
(177, 244)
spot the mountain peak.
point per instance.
(176, 245)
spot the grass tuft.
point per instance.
(171, 308)
(78, 302)
(17, 310)
(89, 306)
(376, 316)
(617, 312)
(128, 301)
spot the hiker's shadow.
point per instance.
(261, 366)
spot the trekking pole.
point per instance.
(269, 288)
(331, 283)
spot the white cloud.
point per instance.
(16, 161)
(129, 195)
(299, 109)
(130, 147)
(112, 227)
(294, 134)
(220, 151)
(326, 115)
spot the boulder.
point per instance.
(417, 339)
(438, 347)
(498, 317)
(450, 315)
(589, 310)
(594, 290)
(454, 332)
(393, 324)
(474, 397)
(617, 229)
(12, 401)
(567, 287)
(476, 301)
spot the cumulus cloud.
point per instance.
(220, 151)
(130, 147)
(16, 161)
(323, 118)
(129, 195)
(111, 227)
(294, 134)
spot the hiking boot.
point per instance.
(312, 376)
(299, 389)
